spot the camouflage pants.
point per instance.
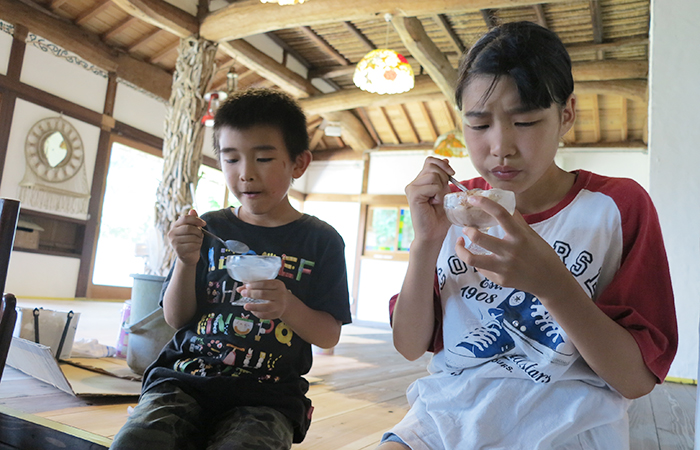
(168, 418)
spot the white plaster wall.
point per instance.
(32, 275)
(139, 110)
(67, 80)
(26, 115)
(5, 46)
(331, 177)
(674, 148)
(609, 162)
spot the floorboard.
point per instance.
(358, 393)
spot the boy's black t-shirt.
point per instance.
(226, 356)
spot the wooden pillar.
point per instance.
(184, 134)
(7, 105)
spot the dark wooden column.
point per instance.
(7, 105)
(97, 190)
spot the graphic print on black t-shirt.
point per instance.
(228, 340)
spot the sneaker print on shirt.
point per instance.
(524, 316)
(486, 341)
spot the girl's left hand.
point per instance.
(521, 260)
(275, 294)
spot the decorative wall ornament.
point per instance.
(49, 47)
(54, 176)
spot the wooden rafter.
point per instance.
(596, 21)
(92, 12)
(368, 124)
(162, 15)
(150, 37)
(289, 49)
(88, 46)
(121, 26)
(428, 121)
(416, 40)
(315, 138)
(411, 127)
(246, 14)
(369, 45)
(444, 25)
(624, 128)
(539, 12)
(55, 4)
(596, 118)
(389, 125)
(489, 16)
(165, 52)
(324, 46)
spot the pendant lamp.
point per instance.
(451, 144)
(384, 71)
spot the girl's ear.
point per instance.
(301, 164)
(568, 115)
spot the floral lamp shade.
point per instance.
(451, 144)
(383, 71)
(284, 2)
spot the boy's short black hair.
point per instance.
(532, 55)
(247, 108)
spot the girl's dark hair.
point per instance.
(532, 55)
(244, 109)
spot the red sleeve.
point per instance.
(437, 344)
(640, 296)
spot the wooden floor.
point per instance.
(358, 394)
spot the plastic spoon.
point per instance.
(459, 185)
(234, 246)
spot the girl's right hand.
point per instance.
(186, 236)
(425, 195)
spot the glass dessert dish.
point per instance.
(249, 268)
(463, 214)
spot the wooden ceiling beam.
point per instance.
(390, 126)
(419, 44)
(356, 98)
(610, 70)
(609, 45)
(353, 130)
(246, 14)
(444, 25)
(324, 46)
(635, 90)
(162, 15)
(88, 46)
(158, 57)
(268, 68)
(425, 89)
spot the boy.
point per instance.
(232, 375)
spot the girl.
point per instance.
(541, 343)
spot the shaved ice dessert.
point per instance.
(462, 213)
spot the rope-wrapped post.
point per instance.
(184, 134)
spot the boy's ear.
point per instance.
(302, 163)
(568, 115)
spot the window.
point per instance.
(128, 213)
(389, 231)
